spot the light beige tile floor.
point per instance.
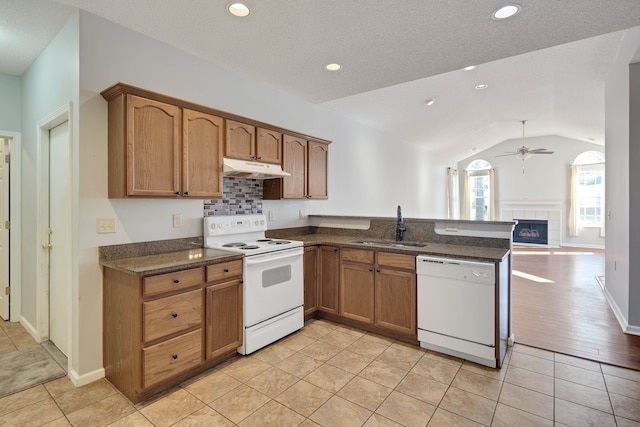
(330, 375)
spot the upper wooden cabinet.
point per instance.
(306, 161)
(246, 142)
(269, 146)
(157, 149)
(161, 146)
(202, 154)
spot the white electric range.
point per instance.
(273, 288)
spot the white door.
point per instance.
(59, 236)
(4, 231)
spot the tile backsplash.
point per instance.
(241, 196)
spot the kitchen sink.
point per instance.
(392, 244)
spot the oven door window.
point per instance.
(275, 276)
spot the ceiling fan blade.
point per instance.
(509, 154)
(540, 151)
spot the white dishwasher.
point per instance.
(457, 308)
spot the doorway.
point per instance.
(5, 226)
(55, 230)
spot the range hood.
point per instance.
(249, 169)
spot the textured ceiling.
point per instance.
(396, 54)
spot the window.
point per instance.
(587, 192)
(479, 191)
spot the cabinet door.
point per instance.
(269, 146)
(396, 300)
(317, 170)
(224, 318)
(153, 148)
(202, 155)
(294, 161)
(241, 141)
(329, 279)
(357, 292)
(310, 280)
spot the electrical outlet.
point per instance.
(302, 214)
(269, 215)
(177, 220)
(106, 225)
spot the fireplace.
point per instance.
(532, 231)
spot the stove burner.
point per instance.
(234, 245)
(264, 240)
(279, 242)
(248, 247)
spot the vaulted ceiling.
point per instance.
(547, 64)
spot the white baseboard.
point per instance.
(29, 328)
(578, 245)
(616, 310)
(80, 380)
(633, 330)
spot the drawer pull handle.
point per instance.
(174, 315)
(226, 270)
(176, 281)
(174, 356)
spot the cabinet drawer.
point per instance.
(398, 261)
(169, 315)
(155, 285)
(224, 270)
(357, 255)
(163, 361)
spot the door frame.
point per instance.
(15, 233)
(60, 115)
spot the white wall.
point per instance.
(10, 102)
(618, 190)
(634, 197)
(546, 177)
(368, 175)
(50, 82)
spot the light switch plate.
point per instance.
(106, 225)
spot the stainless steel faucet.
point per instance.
(400, 228)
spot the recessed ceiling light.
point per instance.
(333, 67)
(469, 68)
(506, 12)
(430, 102)
(482, 86)
(238, 9)
(474, 149)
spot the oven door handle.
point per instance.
(249, 261)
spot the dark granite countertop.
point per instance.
(169, 261)
(434, 249)
(458, 221)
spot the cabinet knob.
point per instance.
(177, 193)
(378, 271)
(186, 193)
(260, 158)
(335, 249)
(371, 269)
(176, 281)
(226, 270)
(174, 356)
(174, 315)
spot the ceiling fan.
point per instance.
(525, 152)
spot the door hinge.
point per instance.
(7, 158)
(7, 225)
(7, 290)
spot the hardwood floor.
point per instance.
(561, 307)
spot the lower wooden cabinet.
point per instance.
(159, 330)
(357, 280)
(224, 318)
(378, 289)
(328, 279)
(310, 280)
